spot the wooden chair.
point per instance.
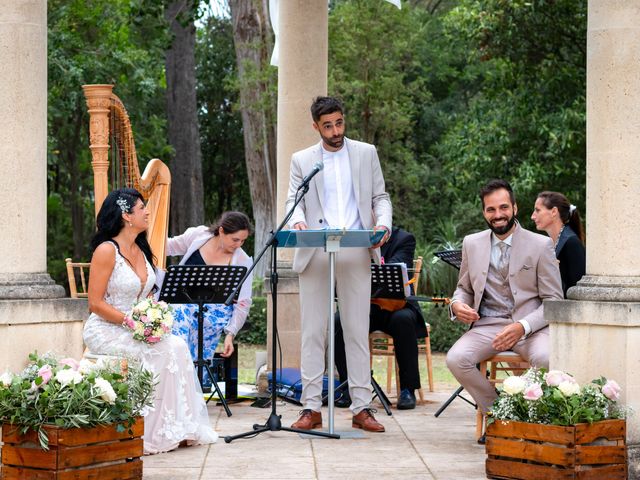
(381, 344)
(510, 362)
(74, 268)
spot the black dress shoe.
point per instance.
(483, 439)
(406, 400)
(343, 401)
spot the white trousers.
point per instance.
(353, 288)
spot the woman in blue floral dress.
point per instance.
(219, 244)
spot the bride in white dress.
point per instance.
(121, 274)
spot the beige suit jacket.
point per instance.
(374, 205)
(533, 274)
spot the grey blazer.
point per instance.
(374, 205)
(533, 274)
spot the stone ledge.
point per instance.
(585, 312)
(25, 312)
(606, 288)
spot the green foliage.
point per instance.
(67, 394)
(527, 121)
(444, 332)
(103, 41)
(256, 330)
(225, 175)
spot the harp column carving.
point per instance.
(99, 103)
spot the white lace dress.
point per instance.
(179, 412)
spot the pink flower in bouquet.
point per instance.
(533, 392)
(70, 362)
(45, 373)
(129, 323)
(147, 331)
(555, 377)
(611, 390)
(144, 319)
(152, 339)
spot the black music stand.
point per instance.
(453, 258)
(201, 284)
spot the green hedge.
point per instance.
(444, 332)
(255, 329)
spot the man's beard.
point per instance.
(504, 229)
(334, 142)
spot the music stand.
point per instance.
(274, 422)
(202, 284)
(453, 258)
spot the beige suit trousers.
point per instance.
(475, 346)
(353, 288)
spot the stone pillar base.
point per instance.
(288, 316)
(15, 286)
(633, 462)
(44, 325)
(590, 339)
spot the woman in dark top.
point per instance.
(555, 215)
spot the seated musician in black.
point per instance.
(405, 324)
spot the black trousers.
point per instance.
(401, 325)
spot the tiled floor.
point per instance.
(416, 445)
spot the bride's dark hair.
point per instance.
(110, 221)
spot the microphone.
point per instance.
(316, 168)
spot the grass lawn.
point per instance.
(442, 378)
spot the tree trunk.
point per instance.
(252, 38)
(187, 197)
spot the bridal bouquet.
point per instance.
(556, 398)
(149, 320)
(70, 393)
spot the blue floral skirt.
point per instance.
(185, 325)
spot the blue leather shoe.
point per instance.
(406, 400)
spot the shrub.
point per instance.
(255, 329)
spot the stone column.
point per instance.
(23, 151)
(32, 316)
(302, 75)
(597, 331)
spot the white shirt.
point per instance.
(340, 206)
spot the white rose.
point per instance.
(514, 385)
(569, 388)
(68, 375)
(5, 379)
(154, 314)
(85, 367)
(106, 390)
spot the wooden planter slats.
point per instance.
(76, 453)
(517, 450)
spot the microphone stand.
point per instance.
(274, 422)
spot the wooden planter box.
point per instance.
(99, 453)
(531, 451)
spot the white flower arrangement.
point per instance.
(68, 393)
(556, 398)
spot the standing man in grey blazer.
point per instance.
(348, 193)
(505, 275)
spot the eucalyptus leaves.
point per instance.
(68, 393)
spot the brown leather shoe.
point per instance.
(366, 421)
(308, 420)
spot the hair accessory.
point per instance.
(572, 208)
(123, 204)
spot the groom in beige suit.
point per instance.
(349, 193)
(505, 275)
